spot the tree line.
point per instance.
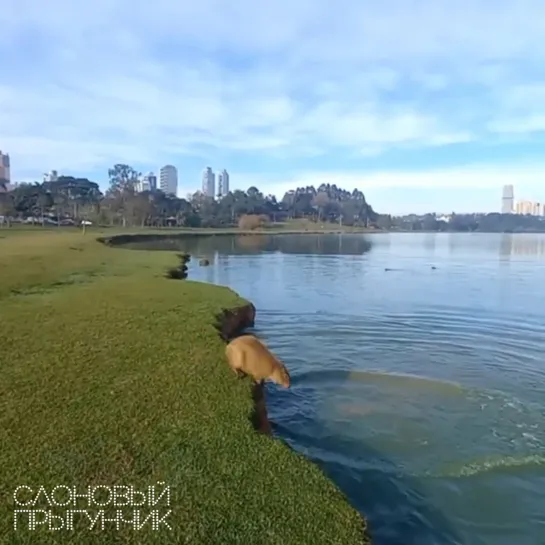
(76, 199)
(121, 204)
(485, 223)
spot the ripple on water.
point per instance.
(421, 393)
(411, 406)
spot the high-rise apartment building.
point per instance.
(223, 183)
(208, 182)
(530, 208)
(508, 200)
(147, 183)
(523, 207)
(5, 173)
(168, 180)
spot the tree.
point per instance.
(122, 190)
(384, 221)
(320, 202)
(206, 207)
(255, 201)
(429, 222)
(45, 202)
(7, 208)
(143, 208)
(60, 202)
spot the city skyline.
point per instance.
(512, 205)
(168, 183)
(414, 123)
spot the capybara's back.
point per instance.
(247, 354)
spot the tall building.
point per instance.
(147, 183)
(508, 200)
(5, 173)
(223, 183)
(168, 180)
(208, 182)
(529, 208)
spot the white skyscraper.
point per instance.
(5, 173)
(223, 183)
(147, 183)
(168, 180)
(508, 200)
(208, 182)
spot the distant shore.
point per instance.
(273, 230)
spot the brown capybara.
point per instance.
(248, 355)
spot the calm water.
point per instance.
(420, 391)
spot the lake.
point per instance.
(420, 390)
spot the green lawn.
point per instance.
(300, 225)
(113, 375)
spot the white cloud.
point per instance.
(521, 110)
(91, 84)
(519, 125)
(477, 175)
(469, 188)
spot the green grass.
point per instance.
(305, 225)
(113, 375)
(299, 225)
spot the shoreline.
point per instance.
(120, 238)
(146, 396)
(156, 233)
(231, 324)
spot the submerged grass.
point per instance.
(113, 375)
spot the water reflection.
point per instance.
(430, 242)
(208, 245)
(505, 244)
(223, 269)
(522, 245)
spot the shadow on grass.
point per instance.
(72, 279)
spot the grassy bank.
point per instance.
(112, 375)
(295, 226)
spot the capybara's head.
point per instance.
(281, 376)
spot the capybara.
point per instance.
(248, 355)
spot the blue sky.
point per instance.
(423, 105)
